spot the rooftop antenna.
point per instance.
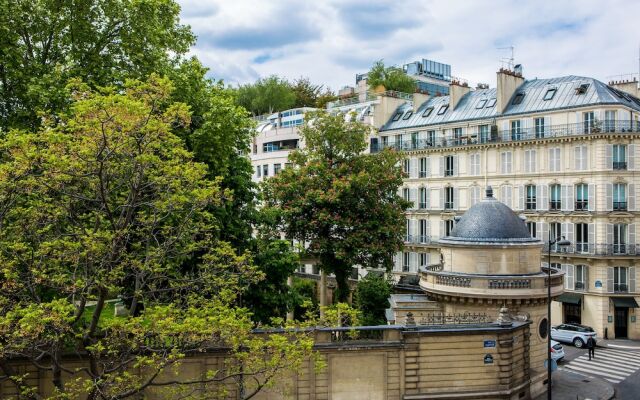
(508, 61)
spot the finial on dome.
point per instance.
(489, 192)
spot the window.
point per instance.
(397, 116)
(265, 170)
(258, 171)
(582, 89)
(422, 198)
(474, 164)
(424, 260)
(505, 162)
(424, 167)
(255, 148)
(483, 132)
(550, 93)
(531, 197)
(407, 231)
(581, 158)
(269, 147)
(554, 159)
(427, 112)
(619, 238)
(531, 226)
(399, 142)
(518, 99)
(457, 135)
(276, 168)
(516, 132)
(448, 198)
(448, 227)
(491, 103)
(529, 161)
(481, 103)
(385, 141)
(581, 277)
(556, 266)
(406, 166)
(406, 266)
(555, 202)
(407, 115)
(424, 231)
(620, 279)
(443, 109)
(609, 121)
(619, 156)
(538, 123)
(414, 140)
(506, 194)
(582, 197)
(475, 194)
(619, 196)
(431, 138)
(448, 166)
(589, 119)
(582, 238)
(406, 194)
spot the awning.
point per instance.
(628, 302)
(570, 298)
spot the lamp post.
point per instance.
(560, 242)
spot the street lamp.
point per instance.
(560, 242)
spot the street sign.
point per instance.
(489, 343)
(598, 284)
(488, 359)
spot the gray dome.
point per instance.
(490, 221)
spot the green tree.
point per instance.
(109, 202)
(45, 43)
(267, 95)
(392, 78)
(372, 298)
(339, 201)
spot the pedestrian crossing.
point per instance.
(612, 365)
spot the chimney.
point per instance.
(457, 90)
(508, 83)
(418, 100)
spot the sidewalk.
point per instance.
(619, 343)
(572, 386)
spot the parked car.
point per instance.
(572, 333)
(557, 351)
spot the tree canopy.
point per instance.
(392, 78)
(371, 298)
(106, 201)
(341, 202)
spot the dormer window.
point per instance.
(550, 93)
(408, 114)
(481, 103)
(491, 103)
(582, 89)
(518, 99)
(443, 109)
(427, 112)
(397, 116)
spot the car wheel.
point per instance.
(578, 343)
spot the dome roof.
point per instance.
(490, 221)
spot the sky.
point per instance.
(329, 41)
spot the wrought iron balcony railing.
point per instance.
(597, 249)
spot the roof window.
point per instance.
(481, 103)
(427, 112)
(397, 116)
(491, 103)
(408, 114)
(582, 89)
(443, 109)
(550, 93)
(518, 99)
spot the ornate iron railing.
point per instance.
(597, 249)
(453, 319)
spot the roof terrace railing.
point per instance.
(514, 135)
(368, 96)
(596, 249)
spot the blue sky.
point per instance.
(330, 41)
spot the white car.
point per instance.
(572, 333)
(557, 351)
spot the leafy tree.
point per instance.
(267, 95)
(392, 78)
(341, 202)
(45, 43)
(372, 299)
(108, 202)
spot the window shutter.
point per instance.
(632, 237)
(564, 230)
(609, 194)
(543, 198)
(441, 207)
(569, 277)
(414, 167)
(610, 279)
(591, 196)
(577, 156)
(412, 197)
(631, 157)
(610, 234)
(571, 228)
(631, 189)
(456, 198)
(521, 196)
(471, 198)
(427, 229)
(414, 230)
(609, 156)
(428, 166)
(470, 170)
(592, 238)
(538, 230)
(551, 159)
(442, 158)
(547, 125)
(544, 231)
(632, 279)
(442, 230)
(585, 276)
(413, 262)
(456, 168)
(506, 133)
(564, 197)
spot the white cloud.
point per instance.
(331, 40)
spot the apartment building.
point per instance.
(561, 152)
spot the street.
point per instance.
(619, 366)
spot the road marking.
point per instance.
(612, 365)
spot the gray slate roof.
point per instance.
(597, 93)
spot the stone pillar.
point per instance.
(290, 312)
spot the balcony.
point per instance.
(448, 205)
(619, 206)
(619, 165)
(620, 288)
(582, 205)
(597, 249)
(417, 239)
(524, 134)
(579, 286)
(434, 280)
(555, 205)
(448, 172)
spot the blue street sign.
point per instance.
(489, 343)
